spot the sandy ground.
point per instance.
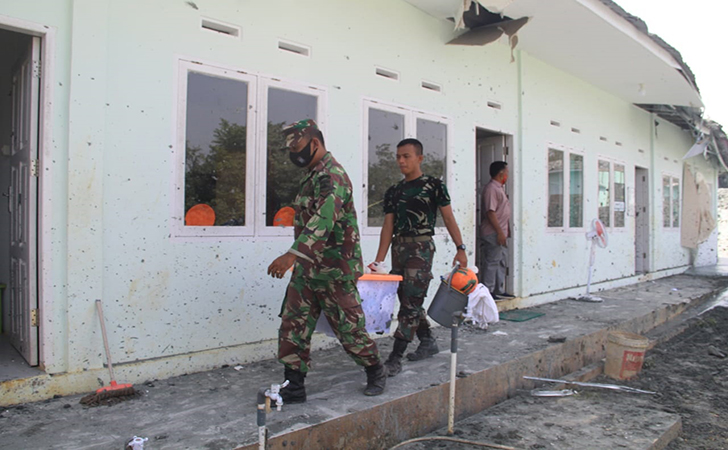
(689, 373)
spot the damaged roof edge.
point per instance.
(641, 26)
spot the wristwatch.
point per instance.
(461, 247)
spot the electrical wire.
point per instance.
(460, 441)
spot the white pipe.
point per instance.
(451, 410)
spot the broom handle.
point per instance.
(106, 341)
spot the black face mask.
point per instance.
(304, 157)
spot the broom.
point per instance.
(114, 389)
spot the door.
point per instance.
(491, 147)
(642, 221)
(22, 199)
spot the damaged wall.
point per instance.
(113, 164)
(166, 296)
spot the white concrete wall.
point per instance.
(558, 259)
(166, 296)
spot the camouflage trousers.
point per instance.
(340, 303)
(412, 260)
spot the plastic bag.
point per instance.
(481, 307)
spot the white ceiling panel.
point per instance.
(587, 39)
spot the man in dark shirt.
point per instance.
(327, 258)
(410, 209)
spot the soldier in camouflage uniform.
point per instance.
(328, 262)
(410, 209)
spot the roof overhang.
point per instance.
(592, 41)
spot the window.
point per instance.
(619, 195)
(385, 126)
(216, 113)
(576, 191)
(556, 188)
(282, 176)
(670, 202)
(604, 194)
(559, 163)
(612, 194)
(226, 118)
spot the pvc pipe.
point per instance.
(262, 432)
(453, 370)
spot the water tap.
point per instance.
(136, 443)
(274, 394)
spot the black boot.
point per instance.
(376, 380)
(393, 364)
(295, 392)
(427, 347)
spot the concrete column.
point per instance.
(85, 181)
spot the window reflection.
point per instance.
(576, 191)
(556, 188)
(215, 149)
(386, 129)
(283, 178)
(604, 195)
(619, 195)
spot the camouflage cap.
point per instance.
(297, 131)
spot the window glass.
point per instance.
(619, 195)
(604, 196)
(433, 136)
(556, 188)
(386, 129)
(675, 203)
(576, 191)
(666, 186)
(215, 149)
(282, 176)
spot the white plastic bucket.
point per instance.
(378, 296)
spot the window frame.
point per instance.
(411, 115)
(265, 83)
(612, 162)
(178, 207)
(673, 179)
(566, 189)
(256, 141)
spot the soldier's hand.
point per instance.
(278, 268)
(460, 258)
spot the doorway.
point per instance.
(20, 76)
(491, 146)
(642, 221)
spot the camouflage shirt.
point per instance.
(327, 234)
(415, 204)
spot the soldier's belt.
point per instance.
(404, 239)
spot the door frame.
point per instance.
(44, 256)
(642, 200)
(512, 285)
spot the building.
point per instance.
(124, 115)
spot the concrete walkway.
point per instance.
(216, 409)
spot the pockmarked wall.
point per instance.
(170, 296)
(189, 303)
(564, 113)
